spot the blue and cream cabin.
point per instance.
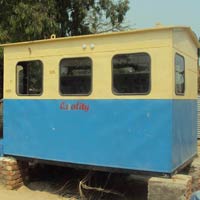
(124, 101)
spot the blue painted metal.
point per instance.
(127, 134)
(184, 123)
(195, 196)
(1, 147)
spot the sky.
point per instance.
(146, 13)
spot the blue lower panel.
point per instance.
(184, 131)
(127, 134)
(1, 147)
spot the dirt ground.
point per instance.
(56, 183)
(24, 193)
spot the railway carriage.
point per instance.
(115, 101)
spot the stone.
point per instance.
(177, 188)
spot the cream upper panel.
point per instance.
(190, 77)
(71, 47)
(161, 76)
(184, 43)
(158, 44)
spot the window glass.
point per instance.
(131, 73)
(180, 74)
(76, 76)
(29, 77)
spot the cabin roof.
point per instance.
(135, 31)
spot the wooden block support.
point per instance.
(13, 173)
(179, 187)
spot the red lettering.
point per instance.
(62, 105)
(77, 106)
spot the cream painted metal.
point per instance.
(161, 43)
(154, 132)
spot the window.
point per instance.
(179, 74)
(29, 78)
(76, 76)
(131, 73)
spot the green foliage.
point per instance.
(107, 15)
(24, 20)
(90, 16)
(30, 20)
(27, 20)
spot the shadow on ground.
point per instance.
(84, 184)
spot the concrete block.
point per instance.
(176, 188)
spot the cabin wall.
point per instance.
(185, 46)
(185, 106)
(117, 131)
(157, 45)
(137, 132)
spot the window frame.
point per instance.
(17, 81)
(59, 73)
(131, 94)
(179, 94)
